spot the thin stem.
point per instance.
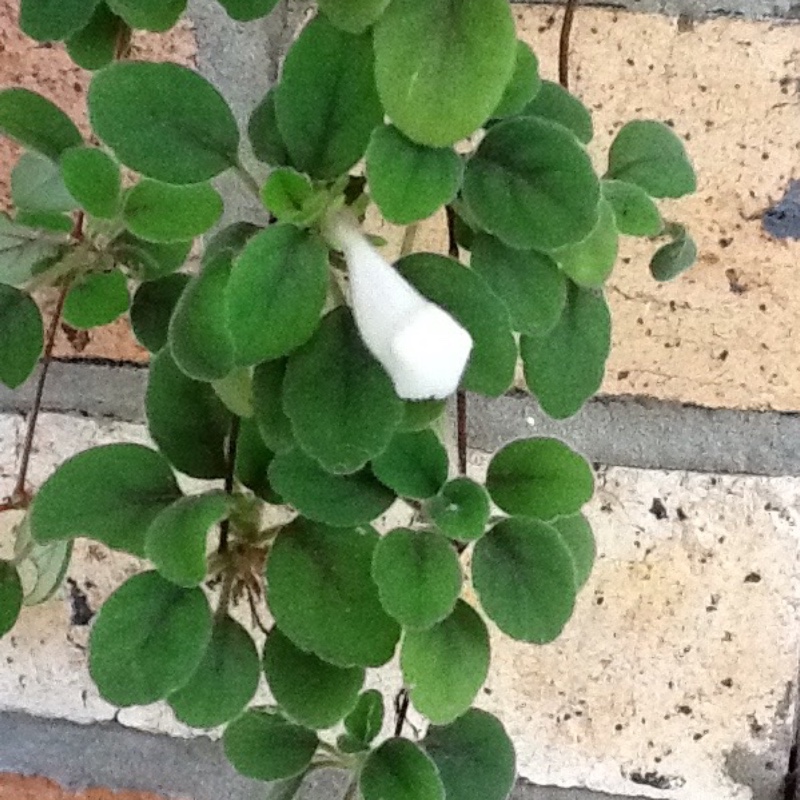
(452, 242)
(408, 239)
(563, 43)
(225, 525)
(461, 430)
(401, 702)
(224, 597)
(249, 181)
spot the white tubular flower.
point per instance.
(420, 345)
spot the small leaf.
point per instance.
(352, 413)
(309, 690)
(236, 392)
(148, 639)
(650, 155)
(442, 68)
(164, 121)
(532, 184)
(400, 770)
(48, 221)
(460, 510)
(413, 465)
(291, 197)
(321, 594)
(528, 282)
(266, 747)
(152, 308)
(97, 300)
(474, 755)
(418, 576)
(149, 15)
(565, 367)
(446, 665)
(273, 424)
(95, 45)
(265, 136)
(525, 578)
(634, 212)
(22, 335)
(353, 16)
(337, 500)
(176, 538)
(110, 493)
(420, 414)
(52, 20)
(10, 596)
(671, 259)
(365, 721)
(409, 181)
(246, 10)
(93, 179)
(225, 679)
(524, 85)
(23, 252)
(37, 185)
(42, 568)
(186, 419)
(553, 102)
(540, 478)
(149, 261)
(253, 460)
(276, 292)
(35, 122)
(577, 535)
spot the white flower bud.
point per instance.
(420, 345)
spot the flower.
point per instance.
(422, 348)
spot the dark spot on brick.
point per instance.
(685, 23)
(622, 374)
(658, 509)
(618, 726)
(80, 614)
(687, 710)
(733, 281)
(725, 241)
(681, 514)
(656, 780)
(752, 577)
(762, 307)
(727, 683)
(723, 355)
(600, 600)
(783, 220)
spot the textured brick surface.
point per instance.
(19, 787)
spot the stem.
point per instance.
(249, 181)
(563, 43)
(408, 239)
(225, 525)
(401, 702)
(461, 430)
(224, 597)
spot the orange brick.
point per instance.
(19, 787)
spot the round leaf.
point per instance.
(10, 596)
(475, 757)
(532, 184)
(321, 594)
(525, 83)
(290, 197)
(635, 213)
(365, 721)
(673, 258)
(276, 292)
(52, 20)
(273, 424)
(22, 335)
(353, 411)
(540, 478)
(95, 45)
(418, 576)
(98, 299)
(265, 136)
(553, 102)
(441, 67)
(338, 500)
(309, 690)
(353, 16)
(446, 665)
(408, 181)
(148, 261)
(152, 308)
(37, 185)
(149, 15)
(525, 578)
(413, 465)
(148, 639)
(42, 568)
(35, 122)
(420, 414)
(460, 510)
(225, 679)
(164, 121)
(266, 747)
(93, 179)
(400, 770)
(23, 252)
(577, 535)
(110, 493)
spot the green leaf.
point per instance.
(650, 155)
(149, 15)
(590, 261)
(365, 721)
(553, 102)
(409, 181)
(49, 221)
(276, 292)
(266, 747)
(577, 535)
(246, 10)
(152, 308)
(95, 45)
(352, 413)
(418, 576)
(671, 259)
(400, 770)
(225, 679)
(236, 392)
(420, 414)
(413, 465)
(37, 185)
(446, 665)
(565, 367)
(148, 639)
(21, 332)
(229, 241)
(540, 477)
(475, 757)
(321, 594)
(441, 67)
(93, 179)
(110, 493)
(97, 300)
(460, 510)
(524, 575)
(23, 252)
(42, 568)
(532, 184)
(36, 123)
(310, 691)
(176, 539)
(353, 16)
(524, 85)
(273, 424)
(528, 282)
(635, 213)
(10, 596)
(265, 136)
(337, 500)
(149, 261)
(52, 20)
(326, 102)
(187, 420)
(252, 462)
(291, 197)
(164, 121)
(465, 295)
